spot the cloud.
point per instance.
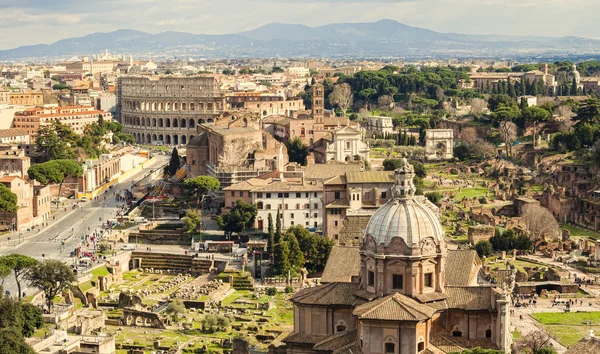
(26, 22)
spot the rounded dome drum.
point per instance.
(410, 218)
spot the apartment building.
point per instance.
(76, 117)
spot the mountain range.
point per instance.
(381, 39)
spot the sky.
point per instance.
(26, 22)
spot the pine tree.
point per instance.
(523, 87)
(573, 91)
(271, 243)
(523, 104)
(278, 228)
(510, 88)
(296, 257)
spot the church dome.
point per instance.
(410, 218)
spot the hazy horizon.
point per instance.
(28, 22)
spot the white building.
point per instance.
(379, 125)
(347, 143)
(298, 71)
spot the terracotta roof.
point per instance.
(281, 186)
(336, 341)
(304, 338)
(352, 348)
(395, 307)
(352, 230)
(343, 263)
(341, 294)
(588, 345)
(469, 297)
(247, 185)
(337, 180)
(8, 178)
(340, 203)
(460, 265)
(370, 177)
(329, 170)
(13, 132)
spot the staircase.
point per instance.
(174, 262)
(180, 174)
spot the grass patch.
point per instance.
(100, 272)
(477, 192)
(580, 232)
(85, 286)
(568, 328)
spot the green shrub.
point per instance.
(289, 289)
(271, 291)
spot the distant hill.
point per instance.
(383, 38)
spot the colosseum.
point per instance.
(167, 109)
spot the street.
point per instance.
(70, 226)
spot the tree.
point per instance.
(434, 197)
(20, 266)
(278, 228)
(271, 232)
(8, 200)
(192, 221)
(52, 277)
(535, 343)
(589, 111)
(540, 223)
(24, 317)
(342, 97)
(295, 256)
(12, 342)
(573, 91)
(239, 218)
(505, 113)
(315, 248)
(483, 248)
(535, 114)
(478, 106)
(55, 171)
(281, 263)
(201, 185)
(297, 151)
(5, 271)
(174, 163)
(508, 132)
(495, 101)
(56, 141)
(393, 164)
(565, 111)
(367, 93)
(175, 307)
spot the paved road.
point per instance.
(70, 227)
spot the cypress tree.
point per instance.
(281, 262)
(573, 91)
(271, 231)
(174, 163)
(523, 87)
(278, 228)
(295, 257)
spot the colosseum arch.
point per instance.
(148, 139)
(168, 139)
(192, 123)
(160, 106)
(168, 106)
(154, 122)
(183, 140)
(160, 137)
(147, 122)
(192, 106)
(137, 120)
(160, 122)
(167, 122)
(175, 140)
(153, 137)
(154, 106)
(143, 122)
(175, 123)
(184, 106)
(176, 106)
(183, 123)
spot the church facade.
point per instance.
(412, 295)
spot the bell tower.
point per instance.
(318, 106)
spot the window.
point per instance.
(397, 281)
(421, 346)
(306, 206)
(316, 206)
(315, 194)
(341, 327)
(428, 280)
(298, 195)
(335, 223)
(347, 145)
(307, 224)
(232, 193)
(488, 333)
(286, 195)
(390, 348)
(315, 215)
(292, 223)
(336, 195)
(370, 278)
(259, 205)
(279, 195)
(286, 207)
(268, 195)
(232, 204)
(298, 206)
(268, 207)
(316, 224)
(306, 195)
(291, 215)
(259, 195)
(383, 195)
(241, 193)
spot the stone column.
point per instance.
(504, 338)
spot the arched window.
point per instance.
(183, 123)
(259, 205)
(389, 345)
(456, 331)
(341, 326)
(193, 162)
(192, 123)
(167, 122)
